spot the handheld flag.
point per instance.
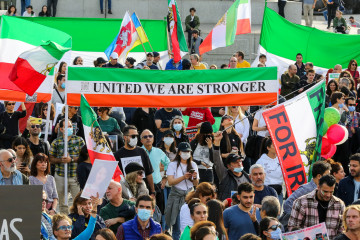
(140, 30)
(235, 21)
(96, 143)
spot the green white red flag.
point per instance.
(98, 147)
(236, 21)
(297, 135)
(178, 41)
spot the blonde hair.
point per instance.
(355, 207)
(57, 218)
(241, 114)
(131, 180)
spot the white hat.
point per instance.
(114, 55)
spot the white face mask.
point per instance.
(133, 142)
(185, 155)
(168, 140)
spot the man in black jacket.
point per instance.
(231, 176)
(349, 187)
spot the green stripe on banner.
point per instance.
(231, 19)
(84, 38)
(316, 99)
(244, 1)
(152, 76)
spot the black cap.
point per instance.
(186, 64)
(131, 60)
(195, 31)
(150, 53)
(233, 158)
(168, 132)
(184, 147)
(156, 54)
(133, 167)
(206, 128)
(100, 60)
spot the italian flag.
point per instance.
(34, 44)
(98, 147)
(236, 21)
(178, 42)
(281, 40)
(225, 87)
(31, 67)
(297, 135)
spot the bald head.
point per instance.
(292, 70)
(147, 138)
(233, 62)
(337, 68)
(114, 192)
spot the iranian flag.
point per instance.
(96, 143)
(178, 42)
(281, 40)
(31, 67)
(297, 135)
(236, 21)
(19, 37)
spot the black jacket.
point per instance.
(346, 190)
(80, 223)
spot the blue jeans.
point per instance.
(24, 4)
(102, 5)
(176, 229)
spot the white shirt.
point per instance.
(202, 153)
(185, 217)
(26, 14)
(272, 169)
(180, 171)
(261, 123)
(242, 128)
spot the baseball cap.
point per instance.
(184, 147)
(149, 53)
(114, 55)
(156, 54)
(233, 158)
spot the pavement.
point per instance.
(320, 23)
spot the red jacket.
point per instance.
(198, 115)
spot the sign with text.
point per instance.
(316, 232)
(20, 212)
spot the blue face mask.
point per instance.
(63, 85)
(70, 132)
(351, 108)
(238, 169)
(276, 234)
(341, 105)
(144, 214)
(177, 127)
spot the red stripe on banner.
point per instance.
(5, 82)
(23, 121)
(173, 101)
(279, 126)
(206, 45)
(243, 26)
(26, 77)
(109, 157)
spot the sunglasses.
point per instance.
(10, 104)
(140, 173)
(353, 64)
(133, 136)
(353, 105)
(35, 126)
(10, 159)
(66, 228)
(274, 227)
(45, 109)
(148, 136)
(45, 200)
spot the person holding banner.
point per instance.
(319, 206)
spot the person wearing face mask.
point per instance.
(319, 206)
(59, 90)
(177, 125)
(75, 143)
(163, 118)
(270, 229)
(182, 175)
(136, 154)
(352, 124)
(142, 227)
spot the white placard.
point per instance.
(58, 110)
(99, 179)
(127, 160)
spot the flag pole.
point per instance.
(47, 121)
(142, 44)
(144, 32)
(66, 122)
(167, 37)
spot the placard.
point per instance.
(20, 212)
(127, 160)
(316, 232)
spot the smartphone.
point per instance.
(192, 171)
(23, 164)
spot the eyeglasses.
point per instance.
(45, 109)
(10, 104)
(132, 136)
(140, 173)
(45, 200)
(10, 159)
(35, 126)
(148, 136)
(353, 105)
(274, 227)
(353, 64)
(66, 228)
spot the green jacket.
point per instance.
(196, 22)
(186, 234)
(339, 22)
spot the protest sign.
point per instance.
(125, 161)
(58, 110)
(99, 178)
(334, 76)
(191, 132)
(20, 212)
(316, 232)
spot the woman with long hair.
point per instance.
(168, 144)
(352, 68)
(23, 155)
(40, 175)
(11, 11)
(204, 192)
(270, 229)
(215, 215)
(44, 109)
(78, 61)
(242, 125)
(332, 87)
(182, 175)
(198, 212)
(44, 12)
(337, 171)
(231, 141)
(134, 185)
(177, 125)
(203, 230)
(352, 88)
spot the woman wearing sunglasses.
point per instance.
(62, 224)
(270, 229)
(9, 123)
(134, 184)
(46, 230)
(352, 68)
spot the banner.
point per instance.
(295, 128)
(151, 88)
(316, 232)
(20, 208)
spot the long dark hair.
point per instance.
(172, 146)
(178, 160)
(200, 137)
(328, 90)
(215, 215)
(226, 136)
(27, 154)
(84, 154)
(60, 67)
(9, 12)
(265, 144)
(39, 157)
(264, 225)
